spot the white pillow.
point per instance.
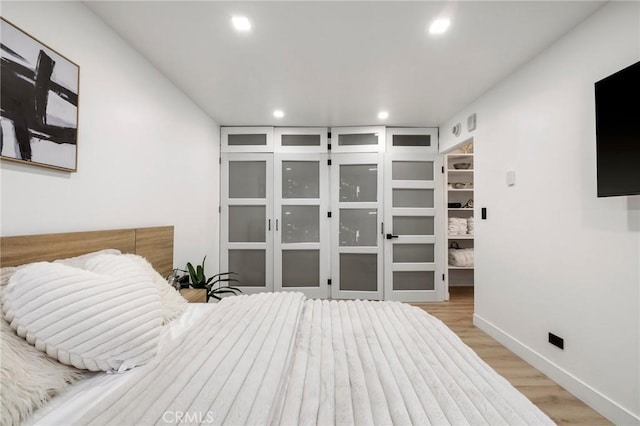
(89, 320)
(173, 304)
(80, 261)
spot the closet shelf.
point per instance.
(457, 191)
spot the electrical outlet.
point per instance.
(556, 341)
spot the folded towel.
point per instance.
(457, 226)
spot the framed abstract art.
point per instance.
(39, 102)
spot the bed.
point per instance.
(279, 358)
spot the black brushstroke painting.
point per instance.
(25, 97)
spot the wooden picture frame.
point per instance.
(39, 102)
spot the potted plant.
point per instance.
(198, 279)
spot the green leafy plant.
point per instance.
(198, 279)
(223, 277)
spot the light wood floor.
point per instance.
(557, 403)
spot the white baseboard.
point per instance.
(590, 396)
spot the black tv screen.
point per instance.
(618, 133)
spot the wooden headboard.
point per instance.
(156, 244)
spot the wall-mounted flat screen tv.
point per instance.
(618, 133)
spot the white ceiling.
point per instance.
(338, 63)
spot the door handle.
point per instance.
(391, 236)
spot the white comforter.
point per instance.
(277, 358)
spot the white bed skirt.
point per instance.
(277, 358)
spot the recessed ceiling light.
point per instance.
(241, 23)
(439, 26)
(383, 115)
(278, 113)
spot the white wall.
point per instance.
(147, 155)
(551, 256)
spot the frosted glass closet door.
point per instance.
(308, 140)
(246, 220)
(413, 196)
(357, 139)
(246, 139)
(301, 224)
(356, 193)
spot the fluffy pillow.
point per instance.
(80, 261)
(173, 304)
(29, 378)
(85, 319)
(5, 275)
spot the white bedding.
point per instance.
(277, 358)
(73, 404)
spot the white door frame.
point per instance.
(226, 131)
(438, 293)
(336, 205)
(320, 131)
(339, 149)
(432, 132)
(225, 202)
(322, 202)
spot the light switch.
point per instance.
(511, 177)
